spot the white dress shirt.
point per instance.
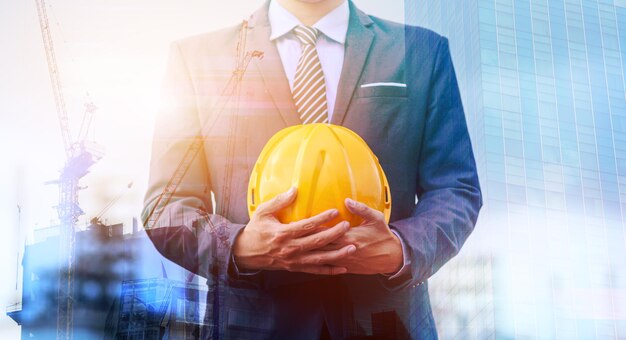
(330, 44)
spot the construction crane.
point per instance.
(80, 156)
(232, 89)
(112, 202)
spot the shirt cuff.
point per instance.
(233, 265)
(405, 262)
(239, 272)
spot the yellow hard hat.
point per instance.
(327, 164)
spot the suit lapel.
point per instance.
(270, 66)
(358, 43)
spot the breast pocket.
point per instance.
(374, 90)
(380, 105)
(378, 114)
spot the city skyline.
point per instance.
(543, 85)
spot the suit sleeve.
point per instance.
(448, 191)
(186, 232)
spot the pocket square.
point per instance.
(383, 84)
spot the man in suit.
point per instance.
(395, 86)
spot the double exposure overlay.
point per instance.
(101, 250)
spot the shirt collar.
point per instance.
(334, 25)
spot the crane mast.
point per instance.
(231, 89)
(79, 157)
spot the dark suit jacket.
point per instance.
(418, 133)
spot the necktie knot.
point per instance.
(307, 35)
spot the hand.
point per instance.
(378, 250)
(267, 244)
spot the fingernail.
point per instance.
(350, 202)
(334, 213)
(341, 270)
(351, 250)
(346, 225)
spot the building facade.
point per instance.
(543, 86)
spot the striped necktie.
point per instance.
(309, 86)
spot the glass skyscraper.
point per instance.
(543, 85)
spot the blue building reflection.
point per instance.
(123, 288)
(543, 85)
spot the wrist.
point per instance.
(396, 256)
(239, 251)
(246, 256)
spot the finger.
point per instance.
(335, 245)
(340, 242)
(326, 257)
(309, 225)
(323, 238)
(277, 203)
(320, 270)
(363, 210)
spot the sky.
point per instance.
(112, 52)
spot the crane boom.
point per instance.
(79, 158)
(90, 108)
(231, 88)
(55, 79)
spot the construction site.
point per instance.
(100, 281)
(96, 281)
